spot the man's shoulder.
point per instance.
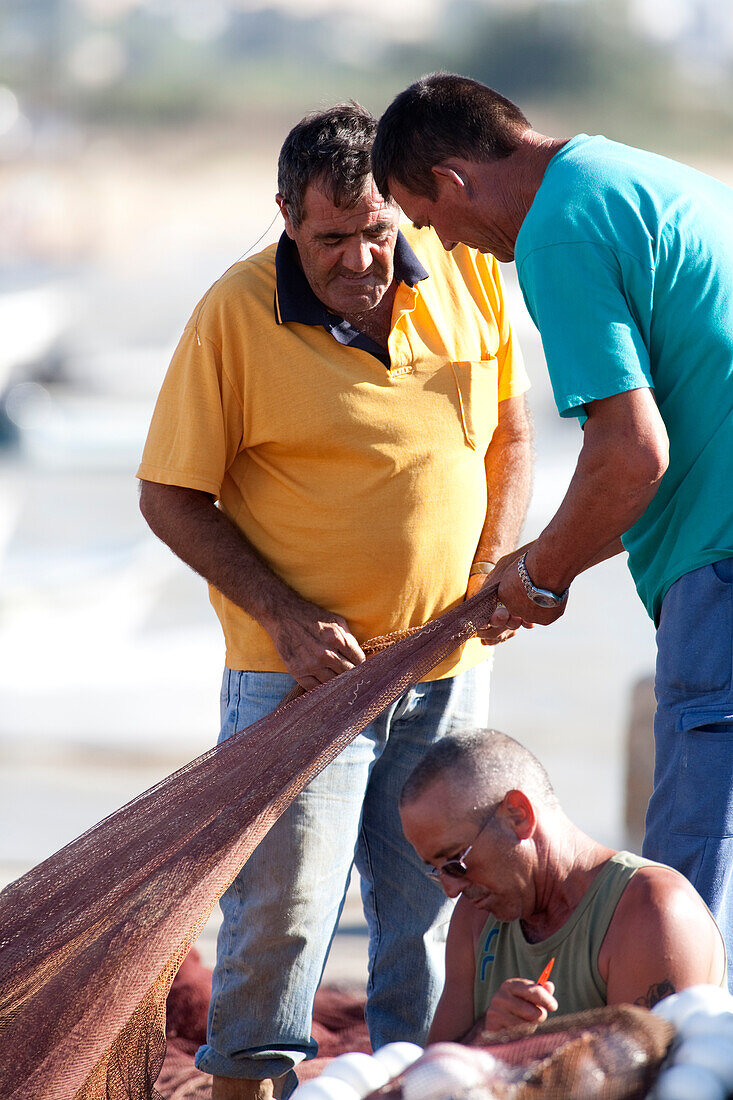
(470, 917)
(248, 276)
(655, 880)
(589, 185)
(247, 286)
(658, 894)
(661, 931)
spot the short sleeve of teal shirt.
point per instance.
(592, 342)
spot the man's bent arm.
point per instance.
(508, 465)
(515, 1002)
(314, 644)
(623, 459)
(614, 547)
(454, 1014)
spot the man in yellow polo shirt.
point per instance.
(344, 409)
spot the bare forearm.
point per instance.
(314, 644)
(592, 517)
(619, 469)
(199, 533)
(623, 459)
(610, 551)
(509, 483)
(454, 1014)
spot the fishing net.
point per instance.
(91, 939)
(605, 1053)
(338, 1026)
(612, 1053)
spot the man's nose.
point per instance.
(357, 255)
(452, 886)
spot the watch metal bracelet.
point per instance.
(543, 597)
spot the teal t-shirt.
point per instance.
(625, 261)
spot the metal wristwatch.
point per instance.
(543, 597)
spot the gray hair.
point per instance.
(440, 116)
(484, 762)
(332, 148)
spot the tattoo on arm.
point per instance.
(656, 993)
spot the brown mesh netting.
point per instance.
(604, 1054)
(338, 1026)
(91, 939)
(608, 1054)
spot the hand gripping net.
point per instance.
(91, 939)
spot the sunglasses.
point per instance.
(456, 867)
(453, 868)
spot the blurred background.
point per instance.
(138, 143)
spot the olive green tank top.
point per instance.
(503, 952)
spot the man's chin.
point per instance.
(480, 901)
(488, 905)
(357, 299)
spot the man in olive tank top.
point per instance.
(481, 812)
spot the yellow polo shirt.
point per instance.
(360, 481)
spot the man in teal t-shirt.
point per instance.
(630, 288)
(625, 260)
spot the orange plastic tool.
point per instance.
(546, 972)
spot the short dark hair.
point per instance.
(330, 147)
(440, 116)
(488, 763)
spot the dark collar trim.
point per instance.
(407, 267)
(294, 299)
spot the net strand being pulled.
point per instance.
(91, 939)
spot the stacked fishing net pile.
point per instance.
(338, 1025)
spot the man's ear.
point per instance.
(450, 175)
(283, 207)
(520, 813)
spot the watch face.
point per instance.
(543, 599)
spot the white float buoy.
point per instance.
(698, 998)
(444, 1070)
(326, 1088)
(685, 1082)
(709, 1023)
(709, 1051)
(363, 1072)
(396, 1057)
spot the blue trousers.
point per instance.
(280, 914)
(689, 822)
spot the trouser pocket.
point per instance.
(704, 794)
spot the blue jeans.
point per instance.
(281, 912)
(689, 823)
